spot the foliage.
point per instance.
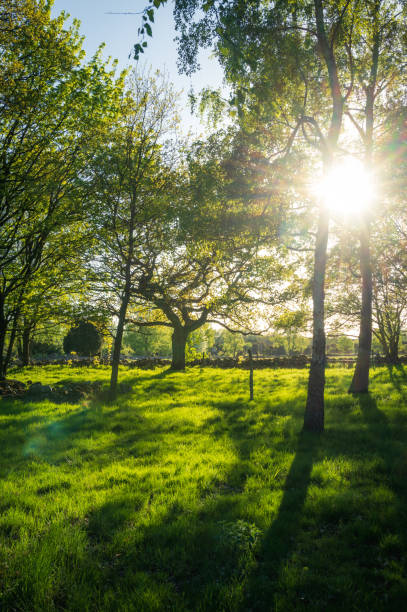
(44, 348)
(389, 280)
(83, 339)
(232, 344)
(52, 105)
(147, 341)
(200, 341)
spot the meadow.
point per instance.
(183, 495)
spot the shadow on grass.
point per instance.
(201, 555)
(390, 440)
(372, 416)
(146, 538)
(280, 539)
(188, 559)
(398, 378)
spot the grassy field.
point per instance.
(182, 495)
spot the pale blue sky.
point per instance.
(119, 32)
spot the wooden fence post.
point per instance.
(251, 374)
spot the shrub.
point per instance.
(44, 348)
(83, 339)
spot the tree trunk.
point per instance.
(179, 340)
(391, 347)
(314, 409)
(3, 332)
(5, 359)
(26, 346)
(394, 352)
(117, 347)
(360, 381)
(3, 366)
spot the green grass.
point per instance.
(182, 495)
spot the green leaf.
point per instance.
(208, 5)
(148, 29)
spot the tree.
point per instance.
(207, 264)
(379, 93)
(58, 282)
(389, 281)
(389, 293)
(51, 104)
(200, 341)
(291, 323)
(128, 183)
(284, 89)
(148, 341)
(83, 339)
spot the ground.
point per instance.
(183, 495)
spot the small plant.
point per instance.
(238, 535)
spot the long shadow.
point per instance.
(398, 378)
(389, 440)
(280, 539)
(372, 416)
(206, 549)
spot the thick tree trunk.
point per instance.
(117, 347)
(314, 409)
(360, 381)
(179, 340)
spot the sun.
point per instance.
(347, 188)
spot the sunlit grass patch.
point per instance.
(184, 495)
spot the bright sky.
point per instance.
(119, 32)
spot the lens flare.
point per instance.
(347, 188)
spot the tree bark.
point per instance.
(360, 380)
(117, 347)
(179, 340)
(3, 333)
(314, 409)
(394, 352)
(26, 346)
(5, 358)
(391, 348)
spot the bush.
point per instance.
(83, 339)
(44, 348)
